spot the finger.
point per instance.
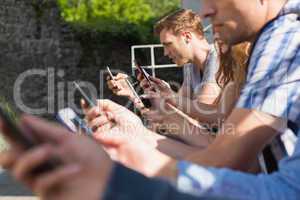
(52, 179)
(8, 158)
(103, 129)
(30, 161)
(84, 106)
(93, 113)
(140, 77)
(109, 138)
(110, 84)
(156, 80)
(138, 104)
(153, 116)
(117, 91)
(121, 76)
(151, 95)
(144, 110)
(44, 130)
(144, 84)
(109, 106)
(98, 122)
(158, 83)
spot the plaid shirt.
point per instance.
(273, 78)
(272, 87)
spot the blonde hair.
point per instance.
(233, 64)
(178, 21)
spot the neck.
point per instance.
(201, 54)
(274, 8)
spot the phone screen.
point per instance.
(143, 72)
(86, 98)
(73, 122)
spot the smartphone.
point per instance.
(73, 122)
(26, 142)
(110, 74)
(14, 133)
(86, 98)
(143, 72)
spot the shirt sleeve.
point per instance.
(186, 87)
(211, 68)
(201, 181)
(126, 184)
(273, 78)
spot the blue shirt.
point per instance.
(273, 76)
(272, 86)
(281, 185)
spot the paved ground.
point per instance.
(11, 190)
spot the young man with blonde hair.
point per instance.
(182, 36)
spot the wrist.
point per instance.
(104, 179)
(169, 171)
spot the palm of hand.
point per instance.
(87, 182)
(135, 151)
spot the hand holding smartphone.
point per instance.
(86, 98)
(110, 74)
(13, 133)
(16, 135)
(143, 72)
(73, 122)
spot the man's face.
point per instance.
(176, 47)
(234, 21)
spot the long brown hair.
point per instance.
(233, 64)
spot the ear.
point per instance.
(263, 2)
(187, 35)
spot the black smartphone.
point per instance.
(15, 134)
(143, 72)
(86, 98)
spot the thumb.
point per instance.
(109, 139)
(121, 76)
(150, 95)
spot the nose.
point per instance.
(166, 52)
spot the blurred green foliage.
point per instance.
(12, 114)
(128, 19)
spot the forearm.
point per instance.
(239, 141)
(205, 113)
(141, 187)
(187, 131)
(173, 148)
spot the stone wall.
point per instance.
(35, 40)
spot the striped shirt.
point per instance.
(273, 87)
(273, 78)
